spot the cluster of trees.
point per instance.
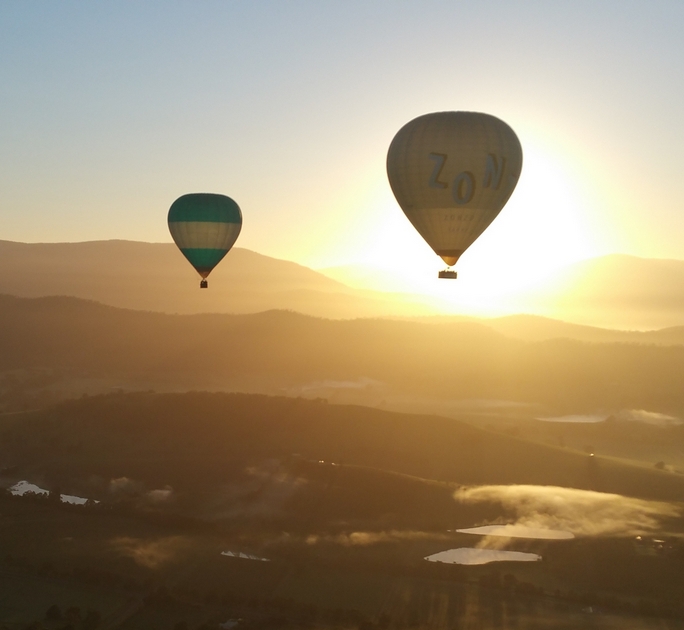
(257, 611)
(74, 618)
(22, 390)
(507, 586)
(85, 575)
(71, 618)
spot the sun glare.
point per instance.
(545, 225)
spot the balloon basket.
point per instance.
(204, 284)
(447, 274)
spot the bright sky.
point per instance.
(111, 110)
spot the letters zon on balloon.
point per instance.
(463, 187)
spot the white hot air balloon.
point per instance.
(452, 173)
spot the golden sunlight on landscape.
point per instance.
(341, 315)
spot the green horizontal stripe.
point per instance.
(204, 259)
(205, 207)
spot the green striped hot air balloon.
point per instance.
(204, 226)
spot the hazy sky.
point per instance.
(111, 110)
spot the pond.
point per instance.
(22, 487)
(575, 418)
(470, 555)
(244, 556)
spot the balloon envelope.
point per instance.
(204, 226)
(452, 173)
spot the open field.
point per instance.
(345, 502)
(155, 573)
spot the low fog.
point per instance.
(581, 512)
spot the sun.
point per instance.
(546, 225)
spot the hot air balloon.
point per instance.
(204, 226)
(452, 173)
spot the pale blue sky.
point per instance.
(111, 110)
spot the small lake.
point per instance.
(519, 531)
(22, 487)
(470, 555)
(576, 418)
(244, 556)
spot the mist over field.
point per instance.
(581, 512)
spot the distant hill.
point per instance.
(538, 328)
(371, 361)
(156, 277)
(619, 436)
(615, 291)
(366, 277)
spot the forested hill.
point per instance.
(283, 351)
(202, 440)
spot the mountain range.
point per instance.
(370, 361)
(156, 277)
(614, 292)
